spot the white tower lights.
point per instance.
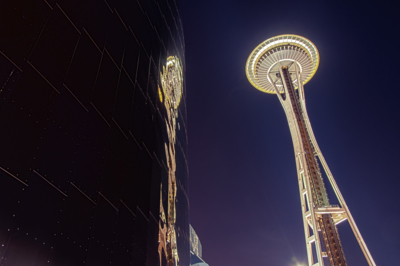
(280, 65)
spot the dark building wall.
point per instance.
(82, 132)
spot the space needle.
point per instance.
(282, 65)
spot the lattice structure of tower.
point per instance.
(282, 65)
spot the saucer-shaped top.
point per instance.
(262, 67)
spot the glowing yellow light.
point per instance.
(160, 94)
(172, 81)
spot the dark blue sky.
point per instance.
(245, 203)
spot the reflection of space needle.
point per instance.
(281, 65)
(172, 81)
(278, 51)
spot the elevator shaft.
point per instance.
(324, 222)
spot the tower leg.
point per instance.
(311, 186)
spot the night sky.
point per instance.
(244, 197)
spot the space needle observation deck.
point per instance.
(282, 65)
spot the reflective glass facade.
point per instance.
(92, 142)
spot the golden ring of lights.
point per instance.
(160, 94)
(282, 48)
(172, 81)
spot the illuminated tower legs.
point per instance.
(277, 66)
(318, 214)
